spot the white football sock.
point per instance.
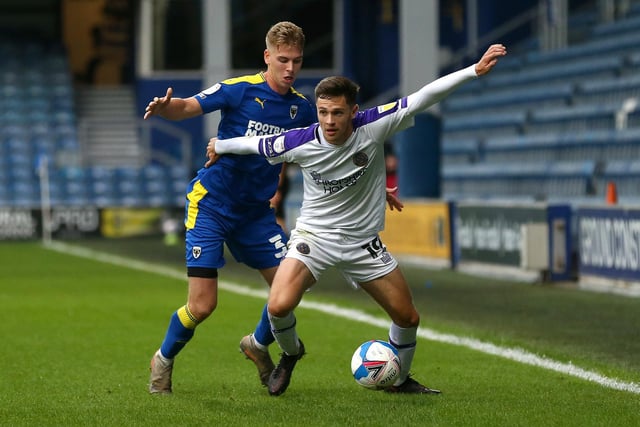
(284, 331)
(404, 339)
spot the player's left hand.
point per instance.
(212, 156)
(393, 201)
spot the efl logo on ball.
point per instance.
(375, 364)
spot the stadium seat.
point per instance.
(572, 119)
(460, 151)
(556, 94)
(610, 91)
(623, 26)
(509, 122)
(575, 69)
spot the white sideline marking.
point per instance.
(515, 354)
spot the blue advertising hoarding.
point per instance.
(609, 242)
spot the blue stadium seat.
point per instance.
(622, 26)
(601, 66)
(591, 49)
(625, 174)
(554, 94)
(508, 122)
(613, 90)
(457, 151)
(521, 148)
(574, 118)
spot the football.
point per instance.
(375, 364)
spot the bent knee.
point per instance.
(410, 319)
(202, 309)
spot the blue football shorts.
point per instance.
(251, 232)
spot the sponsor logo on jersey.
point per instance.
(331, 186)
(293, 111)
(258, 128)
(196, 251)
(387, 107)
(360, 158)
(260, 101)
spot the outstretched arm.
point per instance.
(437, 90)
(238, 145)
(172, 108)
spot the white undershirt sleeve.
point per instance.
(239, 145)
(438, 89)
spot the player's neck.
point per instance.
(273, 85)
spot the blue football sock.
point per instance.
(263, 334)
(181, 329)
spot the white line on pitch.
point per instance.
(515, 354)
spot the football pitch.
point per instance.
(80, 323)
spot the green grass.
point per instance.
(78, 335)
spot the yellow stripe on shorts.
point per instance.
(195, 195)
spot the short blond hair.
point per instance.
(285, 33)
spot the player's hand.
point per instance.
(276, 199)
(158, 104)
(490, 58)
(212, 156)
(393, 201)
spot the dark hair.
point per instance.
(336, 86)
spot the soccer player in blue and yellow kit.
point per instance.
(229, 202)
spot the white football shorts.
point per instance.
(359, 259)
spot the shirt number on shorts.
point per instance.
(277, 243)
(375, 247)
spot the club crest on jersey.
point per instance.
(303, 248)
(196, 251)
(293, 111)
(360, 159)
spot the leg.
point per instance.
(263, 333)
(204, 255)
(259, 243)
(292, 279)
(255, 346)
(290, 283)
(201, 301)
(392, 293)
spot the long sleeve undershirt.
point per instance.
(425, 97)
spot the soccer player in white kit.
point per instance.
(343, 209)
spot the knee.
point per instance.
(202, 309)
(409, 319)
(278, 309)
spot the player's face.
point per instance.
(283, 64)
(335, 117)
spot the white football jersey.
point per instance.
(344, 185)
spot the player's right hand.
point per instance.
(212, 156)
(158, 104)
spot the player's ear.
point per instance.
(354, 110)
(266, 56)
